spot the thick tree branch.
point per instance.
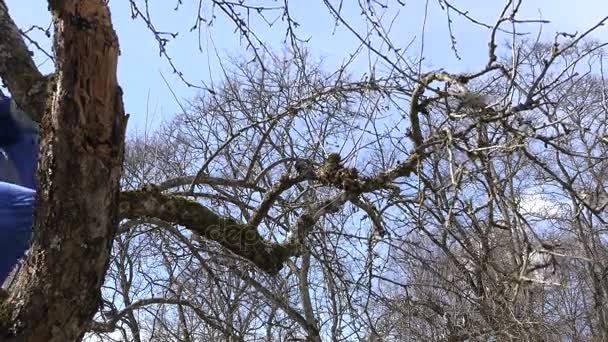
(18, 70)
(207, 180)
(241, 239)
(284, 183)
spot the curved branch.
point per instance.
(241, 239)
(208, 180)
(284, 183)
(110, 325)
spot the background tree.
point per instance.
(291, 201)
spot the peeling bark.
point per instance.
(82, 140)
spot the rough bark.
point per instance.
(57, 292)
(17, 69)
(242, 239)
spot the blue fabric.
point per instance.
(16, 219)
(17, 201)
(20, 145)
(23, 154)
(8, 172)
(9, 128)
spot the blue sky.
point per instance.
(149, 101)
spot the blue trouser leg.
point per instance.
(23, 153)
(17, 201)
(20, 143)
(16, 219)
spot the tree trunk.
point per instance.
(83, 127)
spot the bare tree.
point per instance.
(293, 202)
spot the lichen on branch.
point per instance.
(241, 239)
